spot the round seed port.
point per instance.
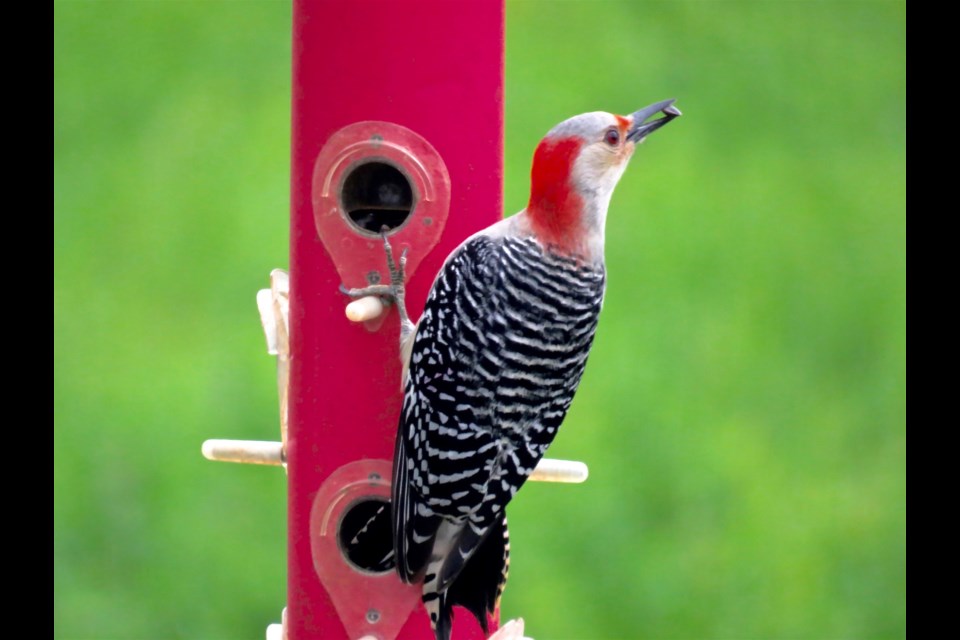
(377, 194)
(364, 535)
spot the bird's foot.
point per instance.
(397, 269)
(395, 292)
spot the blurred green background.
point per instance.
(743, 414)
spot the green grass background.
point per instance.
(743, 413)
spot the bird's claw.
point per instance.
(397, 268)
(392, 292)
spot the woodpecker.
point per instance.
(492, 365)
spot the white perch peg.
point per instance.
(364, 309)
(275, 631)
(551, 470)
(245, 451)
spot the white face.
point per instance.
(601, 162)
(605, 153)
(598, 166)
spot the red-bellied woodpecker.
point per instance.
(493, 363)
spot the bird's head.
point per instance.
(575, 168)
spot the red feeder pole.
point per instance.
(397, 120)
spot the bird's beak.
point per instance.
(640, 129)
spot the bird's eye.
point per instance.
(612, 137)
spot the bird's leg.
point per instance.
(393, 292)
(397, 276)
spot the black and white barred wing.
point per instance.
(497, 357)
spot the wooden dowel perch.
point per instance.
(271, 453)
(366, 308)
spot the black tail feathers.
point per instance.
(480, 584)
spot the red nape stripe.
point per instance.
(555, 207)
